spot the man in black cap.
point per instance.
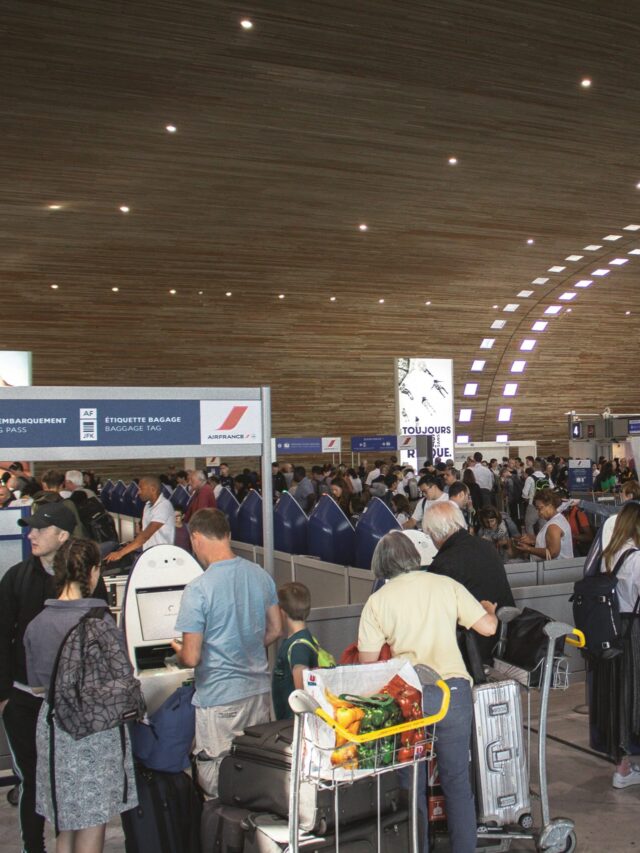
(23, 591)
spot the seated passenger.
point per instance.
(296, 652)
(554, 540)
(91, 774)
(416, 613)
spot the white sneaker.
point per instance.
(632, 778)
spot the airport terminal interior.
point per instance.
(390, 233)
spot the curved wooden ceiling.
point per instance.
(323, 117)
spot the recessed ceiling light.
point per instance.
(462, 439)
(502, 438)
(246, 24)
(281, 296)
(115, 289)
(363, 227)
(638, 186)
(568, 296)
(525, 294)
(618, 262)
(171, 128)
(569, 310)
(200, 292)
(495, 306)
(453, 161)
(540, 280)
(470, 389)
(228, 293)
(381, 301)
(592, 247)
(634, 252)
(584, 282)
(173, 292)
(539, 326)
(518, 366)
(585, 82)
(527, 345)
(504, 415)
(553, 309)
(574, 257)
(124, 208)
(530, 241)
(556, 268)
(428, 302)
(510, 389)
(511, 306)
(498, 324)
(487, 343)
(477, 365)
(332, 299)
(54, 206)
(613, 237)
(54, 286)
(631, 228)
(601, 272)
(627, 313)
(465, 415)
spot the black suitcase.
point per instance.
(270, 834)
(223, 828)
(257, 773)
(167, 817)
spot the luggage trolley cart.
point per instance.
(554, 835)
(303, 704)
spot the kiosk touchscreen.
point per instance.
(150, 610)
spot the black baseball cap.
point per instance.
(51, 515)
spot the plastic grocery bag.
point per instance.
(362, 680)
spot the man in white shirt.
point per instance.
(158, 521)
(432, 491)
(373, 475)
(484, 478)
(528, 494)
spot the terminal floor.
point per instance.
(579, 785)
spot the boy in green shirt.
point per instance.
(297, 652)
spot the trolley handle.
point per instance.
(302, 703)
(579, 640)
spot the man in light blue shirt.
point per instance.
(228, 616)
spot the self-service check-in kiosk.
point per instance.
(149, 613)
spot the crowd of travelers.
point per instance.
(475, 519)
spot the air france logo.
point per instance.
(332, 443)
(234, 422)
(233, 418)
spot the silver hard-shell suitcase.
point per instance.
(500, 760)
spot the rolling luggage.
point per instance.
(223, 828)
(257, 774)
(167, 817)
(270, 834)
(502, 779)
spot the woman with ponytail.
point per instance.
(90, 772)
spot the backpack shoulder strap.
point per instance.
(621, 560)
(304, 642)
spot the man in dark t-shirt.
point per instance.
(469, 560)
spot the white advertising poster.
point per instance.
(424, 394)
(15, 368)
(231, 421)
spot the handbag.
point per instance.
(165, 742)
(527, 644)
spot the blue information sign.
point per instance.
(370, 443)
(99, 423)
(298, 445)
(580, 479)
(634, 426)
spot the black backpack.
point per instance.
(97, 521)
(596, 610)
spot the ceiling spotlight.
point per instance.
(173, 292)
(428, 302)
(54, 287)
(124, 208)
(627, 313)
(495, 306)
(453, 161)
(171, 128)
(228, 293)
(115, 289)
(638, 186)
(200, 292)
(381, 301)
(54, 206)
(363, 227)
(585, 83)
(530, 241)
(246, 24)
(281, 296)
(332, 299)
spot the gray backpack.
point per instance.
(92, 686)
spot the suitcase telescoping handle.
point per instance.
(301, 703)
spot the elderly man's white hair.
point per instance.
(442, 519)
(74, 477)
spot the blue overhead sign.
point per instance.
(634, 426)
(580, 475)
(298, 445)
(370, 443)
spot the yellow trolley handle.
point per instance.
(410, 725)
(578, 641)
